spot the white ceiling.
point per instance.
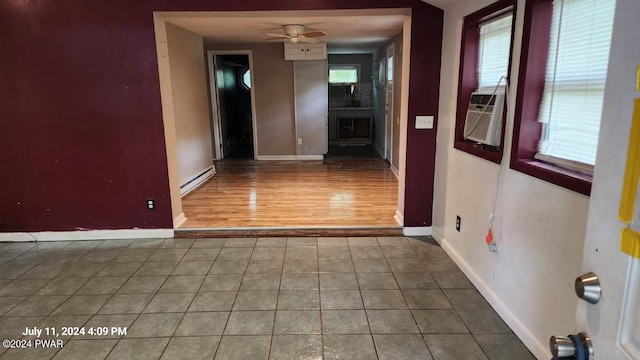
(348, 31)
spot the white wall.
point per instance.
(190, 102)
(538, 227)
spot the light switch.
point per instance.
(424, 122)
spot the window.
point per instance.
(246, 79)
(493, 52)
(485, 59)
(574, 82)
(343, 74)
(561, 89)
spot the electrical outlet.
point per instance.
(458, 222)
(151, 204)
(299, 141)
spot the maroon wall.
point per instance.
(81, 133)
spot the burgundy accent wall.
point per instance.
(424, 87)
(81, 134)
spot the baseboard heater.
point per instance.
(198, 180)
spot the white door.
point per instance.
(388, 107)
(614, 323)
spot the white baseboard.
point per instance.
(380, 152)
(539, 350)
(86, 235)
(310, 157)
(394, 170)
(277, 157)
(290, 157)
(179, 220)
(399, 217)
(417, 231)
(198, 180)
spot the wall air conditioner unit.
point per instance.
(484, 118)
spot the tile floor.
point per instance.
(277, 298)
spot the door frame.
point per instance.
(215, 109)
(388, 105)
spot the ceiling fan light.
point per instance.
(294, 39)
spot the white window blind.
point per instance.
(571, 105)
(493, 51)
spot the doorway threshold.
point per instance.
(302, 231)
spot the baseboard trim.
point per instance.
(399, 217)
(86, 235)
(417, 231)
(380, 152)
(198, 180)
(276, 157)
(539, 350)
(290, 157)
(179, 220)
(310, 157)
(394, 170)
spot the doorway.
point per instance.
(232, 104)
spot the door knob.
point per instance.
(588, 288)
(576, 347)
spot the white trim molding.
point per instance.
(380, 152)
(309, 157)
(196, 181)
(86, 235)
(290, 157)
(276, 157)
(539, 350)
(417, 231)
(394, 170)
(399, 217)
(179, 220)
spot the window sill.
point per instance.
(565, 178)
(487, 153)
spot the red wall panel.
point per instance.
(81, 131)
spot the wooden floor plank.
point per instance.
(330, 193)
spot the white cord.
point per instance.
(502, 166)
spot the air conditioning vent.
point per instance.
(483, 122)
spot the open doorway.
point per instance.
(277, 140)
(232, 104)
(352, 119)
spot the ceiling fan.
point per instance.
(295, 33)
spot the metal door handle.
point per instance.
(588, 288)
(578, 347)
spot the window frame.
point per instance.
(468, 76)
(527, 131)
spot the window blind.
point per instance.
(576, 72)
(493, 51)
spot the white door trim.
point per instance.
(388, 88)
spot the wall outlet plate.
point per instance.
(424, 122)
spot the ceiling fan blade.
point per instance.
(278, 35)
(277, 39)
(314, 34)
(308, 40)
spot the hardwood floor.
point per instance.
(330, 193)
